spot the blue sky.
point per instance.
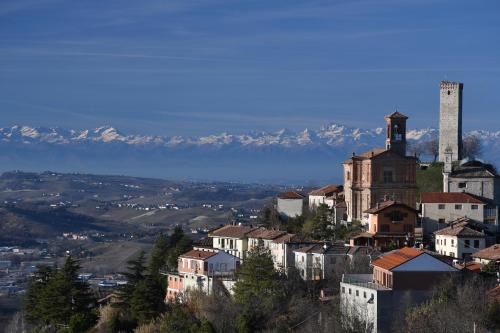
(192, 67)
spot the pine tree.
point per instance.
(158, 258)
(134, 274)
(146, 301)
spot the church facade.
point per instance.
(381, 174)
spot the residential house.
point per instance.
(198, 269)
(487, 255)
(459, 240)
(390, 224)
(263, 237)
(290, 204)
(400, 279)
(327, 195)
(472, 176)
(282, 249)
(232, 239)
(440, 208)
(320, 261)
(382, 173)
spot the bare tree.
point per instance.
(471, 146)
(431, 147)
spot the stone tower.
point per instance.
(396, 133)
(450, 119)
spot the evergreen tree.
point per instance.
(158, 257)
(258, 290)
(146, 301)
(134, 274)
(57, 297)
(179, 244)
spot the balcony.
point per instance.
(362, 280)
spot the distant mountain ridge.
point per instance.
(280, 156)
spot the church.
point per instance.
(381, 174)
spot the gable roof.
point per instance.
(325, 190)
(198, 254)
(459, 229)
(380, 206)
(265, 233)
(396, 114)
(451, 197)
(395, 258)
(232, 231)
(489, 253)
(290, 195)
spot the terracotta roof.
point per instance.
(265, 233)
(232, 231)
(373, 152)
(451, 197)
(204, 242)
(489, 253)
(325, 190)
(395, 258)
(396, 114)
(459, 229)
(198, 254)
(386, 204)
(290, 195)
(470, 266)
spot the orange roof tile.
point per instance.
(326, 190)
(232, 231)
(489, 253)
(290, 195)
(198, 254)
(395, 258)
(265, 233)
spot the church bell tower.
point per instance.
(396, 133)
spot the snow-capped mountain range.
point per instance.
(281, 156)
(331, 135)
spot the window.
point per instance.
(444, 241)
(437, 241)
(357, 292)
(364, 294)
(474, 207)
(458, 207)
(348, 175)
(441, 206)
(462, 185)
(467, 243)
(452, 254)
(343, 290)
(350, 291)
(387, 176)
(476, 243)
(222, 242)
(442, 221)
(452, 242)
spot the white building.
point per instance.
(232, 239)
(282, 250)
(473, 177)
(327, 195)
(459, 240)
(290, 204)
(440, 208)
(400, 279)
(320, 261)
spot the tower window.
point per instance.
(449, 92)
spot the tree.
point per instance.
(179, 319)
(146, 301)
(60, 298)
(133, 275)
(258, 290)
(471, 146)
(179, 244)
(431, 147)
(158, 258)
(319, 224)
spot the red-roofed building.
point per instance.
(290, 204)
(327, 195)
(381, 174)
(460, 239)
(401, 279)
(197, 269)
(440, 208)
(390, 224)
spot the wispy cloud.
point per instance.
(12, 6)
